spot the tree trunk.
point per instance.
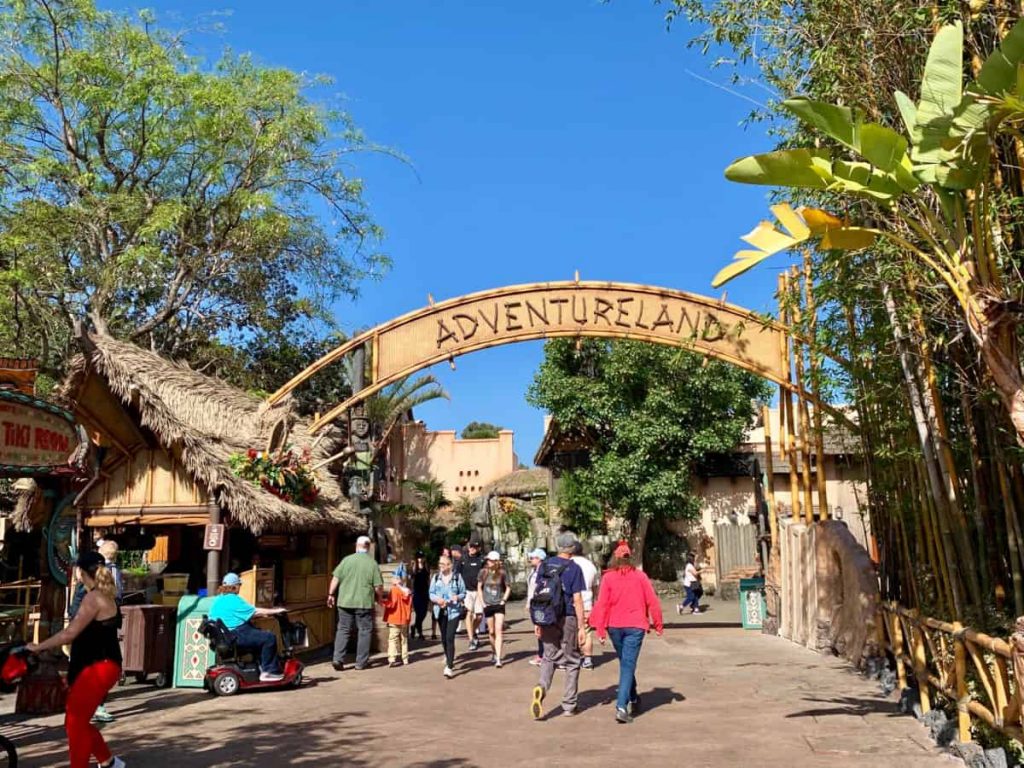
(640, 540)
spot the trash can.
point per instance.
(752, 603)
(147, 642)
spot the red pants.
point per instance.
(86, 693)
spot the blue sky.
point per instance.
(545, 137)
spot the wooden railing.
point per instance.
(936, 654)
(17, 606)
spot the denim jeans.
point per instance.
(360, 619)
(247, 636)
(692, 599)
(627, 642)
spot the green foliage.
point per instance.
(388, 406)
(480, 430)
(653, 411)
(168, 200)
(286, 475)
(429, 495)
(581, 509)
(513, 518)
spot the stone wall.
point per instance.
(829, 590)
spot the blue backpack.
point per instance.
(548, 605)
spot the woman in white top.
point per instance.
(536, 557)
(691, 583)
(589, 576)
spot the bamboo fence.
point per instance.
(976, 672)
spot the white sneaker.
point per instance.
(497, 663)
(448, 672)
(117, 762)
(271, 677)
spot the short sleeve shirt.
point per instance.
(358, 575)
(572, 582)
(589, 574)
(231, 609)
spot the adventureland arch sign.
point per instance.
(517, 313)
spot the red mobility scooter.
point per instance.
(237, 669)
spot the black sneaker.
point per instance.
(338, 666)
(622, 716)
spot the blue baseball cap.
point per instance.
(231, 580)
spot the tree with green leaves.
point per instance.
(653, 412)
(167, 201)
(480, 430)
(388, 407)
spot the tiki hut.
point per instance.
(149, 414)
(520, 484)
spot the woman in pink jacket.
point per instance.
(625, 610)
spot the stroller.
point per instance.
(15, 664)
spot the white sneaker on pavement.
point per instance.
(448, 672)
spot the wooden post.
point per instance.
(918, 654)
(897, 650)
(819, 432)
(769, 467)
(805, 420)
(213, 557)
(786, 403)
(963, 717)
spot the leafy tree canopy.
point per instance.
(653, 413)
(480, 430)
(170, 201)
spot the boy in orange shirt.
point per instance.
(397, 615)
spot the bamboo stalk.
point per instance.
(805, 421)
(819, 432)
(769, 465)
(787, 397)
(963, 717)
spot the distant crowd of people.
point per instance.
(470, 590)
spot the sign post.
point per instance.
(36, 437)
(213, 538)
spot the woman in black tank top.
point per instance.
(95, 661)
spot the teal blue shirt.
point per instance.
(231, 609)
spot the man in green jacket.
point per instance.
(356, 584)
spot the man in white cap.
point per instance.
(356, 585)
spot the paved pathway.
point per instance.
(714, 695)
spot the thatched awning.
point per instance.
(521, 482)
(204, 421)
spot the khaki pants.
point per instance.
(398, 642)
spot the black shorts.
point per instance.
(491, 610)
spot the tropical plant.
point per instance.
(386, 408)
(929, 196)
(430, 496)
(285, 474)
(480, 430)
(177, 204)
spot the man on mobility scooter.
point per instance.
(230, 630)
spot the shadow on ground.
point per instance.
(845, 706)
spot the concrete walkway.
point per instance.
(713, 694)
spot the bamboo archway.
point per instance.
(443, 331)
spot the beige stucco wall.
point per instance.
(463, 466)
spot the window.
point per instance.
(460, 473)
(477, 473)
(473, 488)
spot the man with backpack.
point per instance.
(557, 613)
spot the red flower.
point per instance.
(252, 453)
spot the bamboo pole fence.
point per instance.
(979, 674)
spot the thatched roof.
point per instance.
(205, 421)
(521, 482)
